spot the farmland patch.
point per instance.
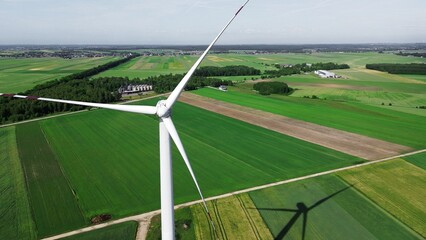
(18, 75)
(118, 154)
(53, 201)
(346, 142)
(122, 231)
(418, 160)
(325, 208)
(397, 187)
(15, 213)
(357, 118)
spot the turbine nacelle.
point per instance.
(162, 110)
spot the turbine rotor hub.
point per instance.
(162, 109)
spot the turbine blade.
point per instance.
(178, 90)
(174, 135)
(124, 108)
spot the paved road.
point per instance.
(144, 218)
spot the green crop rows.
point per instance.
(55, 209)
(108, 162)
(15, 213)
(385, 124)
(397, 187)
(418, 160)
(327, 208)
(18, 75)
(122, 231)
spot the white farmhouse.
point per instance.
(326, 74)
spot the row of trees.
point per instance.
(304, 67)
(210, 71)
(166, 83)
(411, 68)
(102, 90)
(267, 88)
(416, 54)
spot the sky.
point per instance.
(190, 22)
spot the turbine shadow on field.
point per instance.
(301, 210)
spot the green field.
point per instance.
(15, 213)
(326, 207)
(234, 218)
(117, 153)
(147, 66)
(405, 92)
(54, 206)
(396, 186)
(154, 65)
(418, 160)
(18, 75)
(122, 231)
(106, 162)
(332, 210)
(366, 120)
(184, 226)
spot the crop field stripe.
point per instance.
(404, 199)
(219, 220)
(248, 216)
(345, 212)
(121, 231)
(112, 149)
(235, 218)
(18, 75)
(319, 112)
(16, 221)
(378, 207)
(53, 203)
(201, 222)
(419, 160)
(197, 204)
(349, 143)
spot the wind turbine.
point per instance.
(163, 110)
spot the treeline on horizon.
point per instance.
(414, 54)
(240, 70)
(281, 48)
(410, 68)
(300, 68)
(78, 87)
(105, 90)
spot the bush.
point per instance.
(267, 88)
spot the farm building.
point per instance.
(223, 88)
(137, 88)
(326, 74)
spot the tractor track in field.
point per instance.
(145, 218)
(350, 143)
(248, 216)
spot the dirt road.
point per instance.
(350, 143)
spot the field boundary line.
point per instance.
(144, 217)
(70, 113)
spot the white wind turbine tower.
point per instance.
(163, 110)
